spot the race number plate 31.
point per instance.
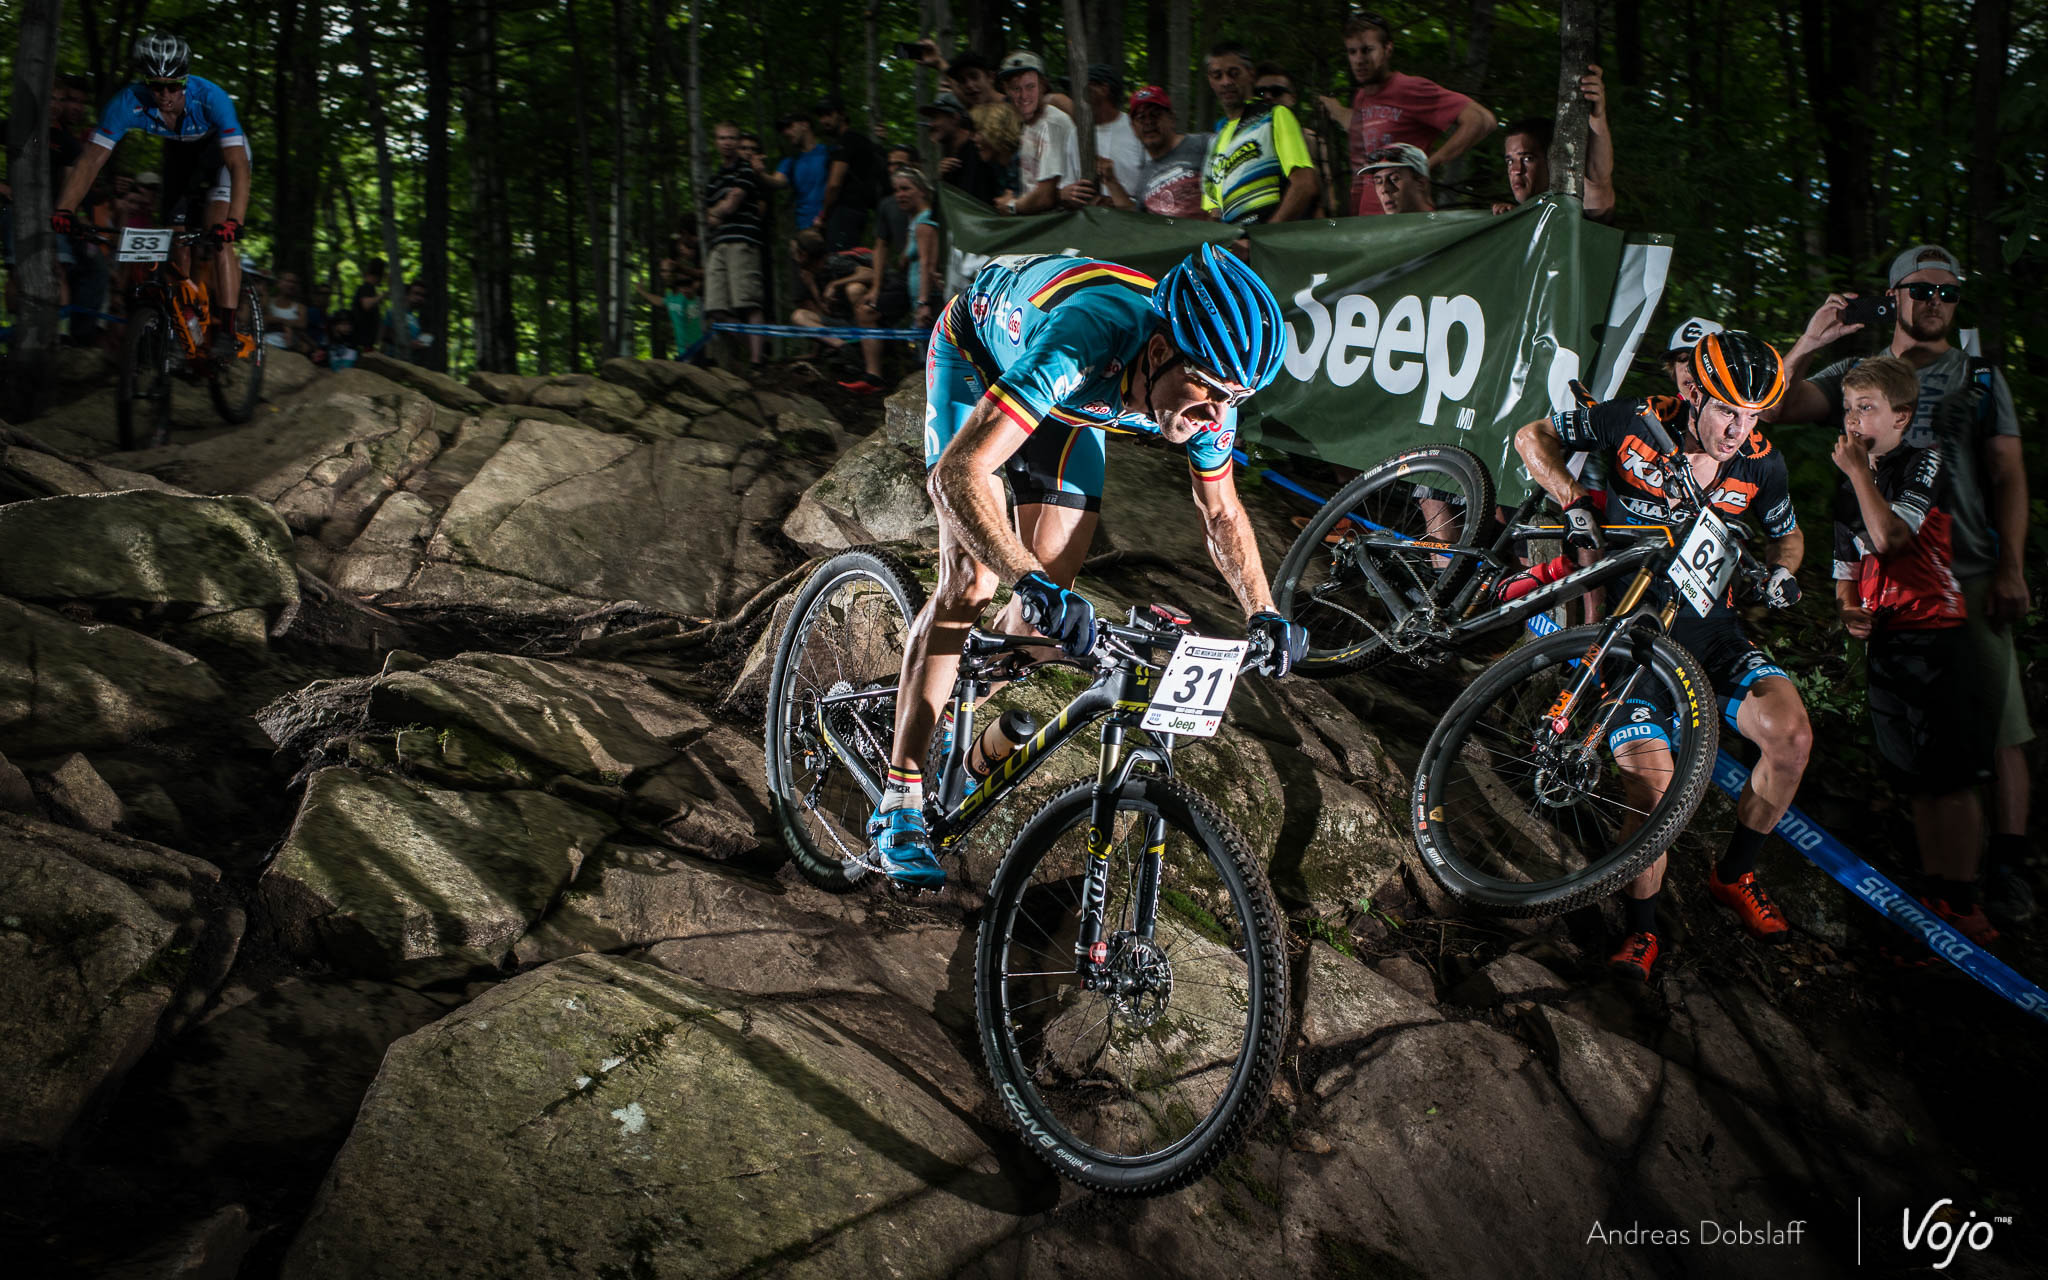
(1706, 561)
(143, 244)
(1191, 694)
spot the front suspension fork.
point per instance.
(1091, 944)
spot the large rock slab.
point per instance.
(438, 387)
(600, 1117)
(876, 491)
(380, 876)
(565, 518)
(199, 555)
(66, 687)
(100, 939)
(595, 720)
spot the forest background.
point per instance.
(539, 154)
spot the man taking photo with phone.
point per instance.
(1966, 410)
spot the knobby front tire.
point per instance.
(1507, 830)
(845, 633)
(1440, 493)
(1143, 1090)
(144, 387)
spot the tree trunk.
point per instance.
(871, 84)
(618, 326)
(292, 201)
(35, 245)
(697, 182)
(1478, 46)
(1179, 29)
(1991, 22)
(440, 36)
(497, 349)
(592, 214)
(1841, 39)
(1077, 72)
(387, 213)
(984, 29)
(1575, 49)
(1156, 56)
(575, 298)
(1628, 41)
(1106, 37)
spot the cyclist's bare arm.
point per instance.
(237, 161)
(1544, 454)
(964, 500)
(1788, 551)
(78, 179)
(1231, 542)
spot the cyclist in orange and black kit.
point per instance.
(1735, 378)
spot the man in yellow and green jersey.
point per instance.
(1258, 168)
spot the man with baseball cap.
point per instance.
(1399, 173)
(960, 162)
(1965, 410)
(1114, 139)
(1047, 155)
(1170, 176)
(1678, 351)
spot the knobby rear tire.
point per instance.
(877, 596)
(238, 385)
(1385, 496)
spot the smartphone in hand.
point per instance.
(1871, 310)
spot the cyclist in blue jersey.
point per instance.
(1028, 368)
(205, 169)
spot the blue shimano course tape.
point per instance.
(1867, 883)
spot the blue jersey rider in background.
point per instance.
(205, 165)
(1029, 366)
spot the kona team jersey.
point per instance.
(209, 113)
(1753, 485)
(1055, 338)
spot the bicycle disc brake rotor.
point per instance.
(1140, 979)
(1564, 772)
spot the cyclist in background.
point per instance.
(1028, 367)
(205, 167)
(1735, 377)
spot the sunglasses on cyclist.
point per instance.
(1922, 290)
(173, 86)
(1228, 397)
(1273, 92)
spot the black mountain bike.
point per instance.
(1572, 762)
(170, 336)
(1130, 978)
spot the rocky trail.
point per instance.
(388, 888)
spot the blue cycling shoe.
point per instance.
(899, 844)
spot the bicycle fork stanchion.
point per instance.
(1091, 950)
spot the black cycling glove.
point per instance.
(1582, 525)
(1286, 641)
(1781, 589)
(1058, 612)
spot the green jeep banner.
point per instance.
(1404, 330)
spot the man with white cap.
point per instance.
(1048, 152)
(1966, 410)
(1399, 173)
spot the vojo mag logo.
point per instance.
(1943, 1233)
(1435, 346)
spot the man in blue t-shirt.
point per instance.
(1029, 366)
(807, 171)
(206, 164)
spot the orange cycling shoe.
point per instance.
(1976, 926)
(1760, 917)
(1635, 958)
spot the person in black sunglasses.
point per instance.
(1966, 411)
